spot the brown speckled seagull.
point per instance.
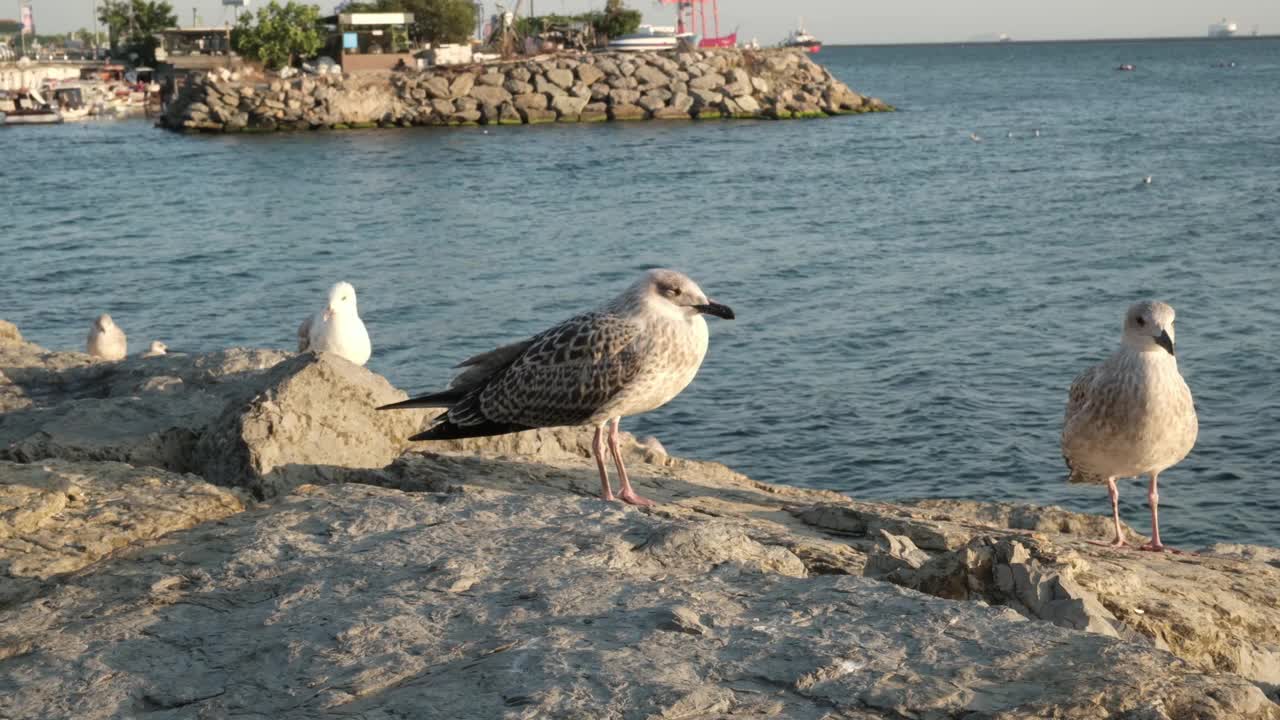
(1132, 414)
(631, 355)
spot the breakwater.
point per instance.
(772, 84)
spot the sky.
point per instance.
(843, 21)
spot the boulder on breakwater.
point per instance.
(590, 87)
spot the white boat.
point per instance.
(1223, 29)
(648, 38)
(29, 108)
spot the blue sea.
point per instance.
(912, 304)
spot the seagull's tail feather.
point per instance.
(445, 399)
(446, 430)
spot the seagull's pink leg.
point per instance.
(597, 447)
(1115, 512)
(628, 495)
(1153, 498)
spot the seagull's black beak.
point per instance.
(711, 308)
(1165, 341)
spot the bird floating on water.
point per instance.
(337, 328)
(1146, 180)
(1132, 414)
(631, 355)
(975, 137)
(106, 340)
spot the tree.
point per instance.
(279, 34)
(618, 20)
(134, 24)
(10, 26)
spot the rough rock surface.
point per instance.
(58, 517)
(728, 83)
(143, 411)
(485, 579)
(359, 601)
(310, 419)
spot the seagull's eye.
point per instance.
(1141, 322)
(675, 291)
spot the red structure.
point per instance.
(691, 19)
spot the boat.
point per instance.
(1222, 29)
(648, 38)
(800, 38)
(27, 107)
(726, 41)
(69, 101)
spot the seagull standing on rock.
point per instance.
(338, 328)
(1132, 414)
(106, 340)
(629, 356)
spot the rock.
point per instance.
(704, 99)
(490, 95)
(896, 554)
(531, 100)
(438, 88)
(760, 85)
(671, 113)
(623, 97)
(568, 108)
(461, 85)
(9, 334)
(492, 79)
(589, 74)
(748, 104)
(517, 87)
(509, 115)
(581, 91)
(543, 85)
(519, 74)
(309, 419)
(344, 598)
(737, 82)
(681, 102)
(536, 116)
(600, 91)
(649, 75)
(58, 517)
(627, 112)
(651, 103)
(594, 112)
(561, 77)
(144, 411)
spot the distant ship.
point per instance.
(800, 38)
(1223, 29)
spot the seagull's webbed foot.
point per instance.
(630, 497)
(1154, 547)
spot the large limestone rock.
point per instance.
(143, 411)
(308, 420)
(58, 517)
(362, 601)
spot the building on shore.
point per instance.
(370, 41)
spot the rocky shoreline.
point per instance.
(570, 87)
(237, 533)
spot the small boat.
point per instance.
(651, 38)
(29, 108)
(69, 101)
(800, 38)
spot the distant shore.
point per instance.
(1075, 41)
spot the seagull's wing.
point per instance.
(1077, 414)
(483, 366)
(304, 334)
(563, 376)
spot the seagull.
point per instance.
(1036, 132)
(975, 137)
(1146, 180)
(338, 328)
(156, 350)
(1132, 414)
(106, 340)
(631, 355)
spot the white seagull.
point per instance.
(106, 340)
(338, 328)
